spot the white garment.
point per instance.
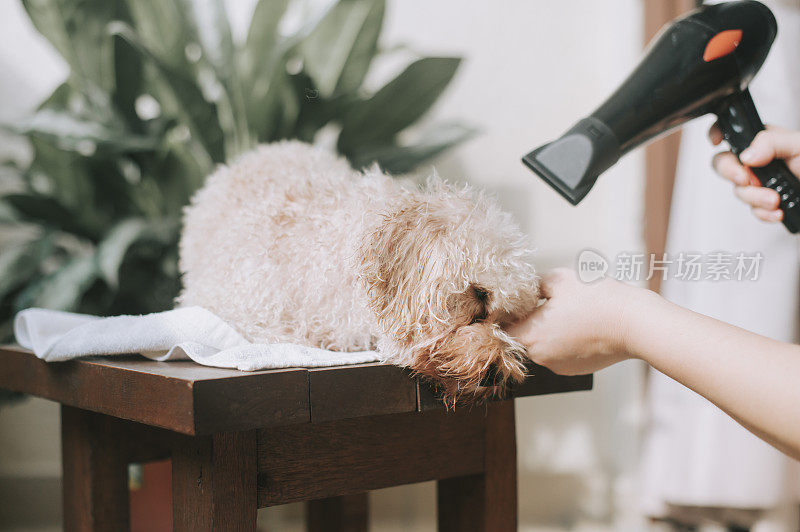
(694, 454)
(184, 333)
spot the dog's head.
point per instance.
(444, 269)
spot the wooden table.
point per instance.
(242, 441)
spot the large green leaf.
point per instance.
(77, 29)
(211, 26)
(262, 37)
(397, 105)
(337, 54)
(12, 177)
(402, 159)
(64, 98)
(266, 91)
(66, 172)
(63, 289)
(115, 196)
(213, 31)
(262, 70)
(182, 96)
(112, 249)
(7, 215)
(78, 134)
(128, 82)
(48, 212)
(20, 262)
(164, 26)
(314, 111)
(364, 49)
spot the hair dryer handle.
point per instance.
(739, 122)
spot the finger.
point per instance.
(548, 283)
(518, 329)
(771, 216)
(758, 197)
(728, 166)
(793, 162)
(544, 288)
(553, 280)
(715, 134)
(779, 129)
(524, 330)
(771, 144)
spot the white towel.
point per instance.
(184, 333)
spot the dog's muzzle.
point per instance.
(492, 377)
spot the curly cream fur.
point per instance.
(289, 244)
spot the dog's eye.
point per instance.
(481, 294)
(482, 298)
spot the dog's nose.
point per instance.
(492, 376)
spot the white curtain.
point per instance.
(694, 454)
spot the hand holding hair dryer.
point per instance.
(698, 64)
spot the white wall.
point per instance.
(532, 68)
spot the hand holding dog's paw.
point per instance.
(581, 328)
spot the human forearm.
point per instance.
(754, 379)
(583, 328)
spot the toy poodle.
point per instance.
(290, 244)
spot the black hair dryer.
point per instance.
(698, 64)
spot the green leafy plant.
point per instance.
(158, 93)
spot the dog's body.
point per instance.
(289, 244)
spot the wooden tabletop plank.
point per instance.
(192, 399)
(360, 390)
(181, 396)
(267, 399)
(159, 401)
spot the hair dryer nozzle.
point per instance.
(572, 163)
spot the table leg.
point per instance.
(348, 513)
(95, 485)
(214, 482)
(487, 501)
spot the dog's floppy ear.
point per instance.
(402, 264)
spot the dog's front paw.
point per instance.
(471, 364)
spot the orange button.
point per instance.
(722, 44)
